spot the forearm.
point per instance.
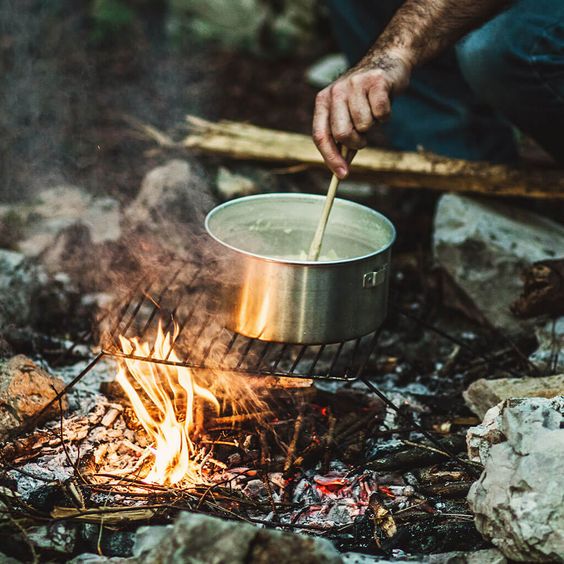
(421, 29)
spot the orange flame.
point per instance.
(166, 411)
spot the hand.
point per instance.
(348, 108)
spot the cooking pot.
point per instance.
(267, 288)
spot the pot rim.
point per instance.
(297, 262)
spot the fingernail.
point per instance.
(341, 172)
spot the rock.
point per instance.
(40, 222)
(25, 389)
(518, 502)
(58, 537)
(326, 70)
(147, 538)
(67, 230)
(484, 246)
(209, 540)
(168, 213)
(549, 357)
(88, 558)
(484, 394)
(487, 556)
(20, 283)
(113, 543)
(230, 185)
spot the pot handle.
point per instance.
(375, 278)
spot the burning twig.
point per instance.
(293, 443)
(328, 441)
(231, 420)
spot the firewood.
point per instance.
(395, 169)
(106, 515)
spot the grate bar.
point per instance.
(316, 360)
(237, 353)
(335, 359)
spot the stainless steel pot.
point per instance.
(268, 291)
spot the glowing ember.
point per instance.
(164, 401)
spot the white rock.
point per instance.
(484, 394)
(326, 70)
(58, 208)
(518, 502)
(484, 247)
(232, 185)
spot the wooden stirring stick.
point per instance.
(317, 241)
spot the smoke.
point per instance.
(42, 103)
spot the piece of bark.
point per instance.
(543, 291)
(483, 394)
(396, 169)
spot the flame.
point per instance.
(165, 406)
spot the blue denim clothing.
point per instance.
(463, 103)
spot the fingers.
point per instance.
(360, 110)
(345, 111)
(342, 127)
(323, 137)
(380, 104)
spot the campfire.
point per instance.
(205, 420)
(171, 392)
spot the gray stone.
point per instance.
(147, 538)
(58, 537)
(487, 556)
(549, 357)
(518, 502)
(25, 389)
(20, 282)
(484, 394)
(168, 213)
(56, 209)
(201, 539)
(326, 70)
(232, 185)
(88, 558)
(483, 246)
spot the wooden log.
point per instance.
(393, 168)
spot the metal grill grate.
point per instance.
(183, 305)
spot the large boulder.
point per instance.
(518, 502)
(484, 394)
(484, 246)
(168, 213)
(209, 540)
